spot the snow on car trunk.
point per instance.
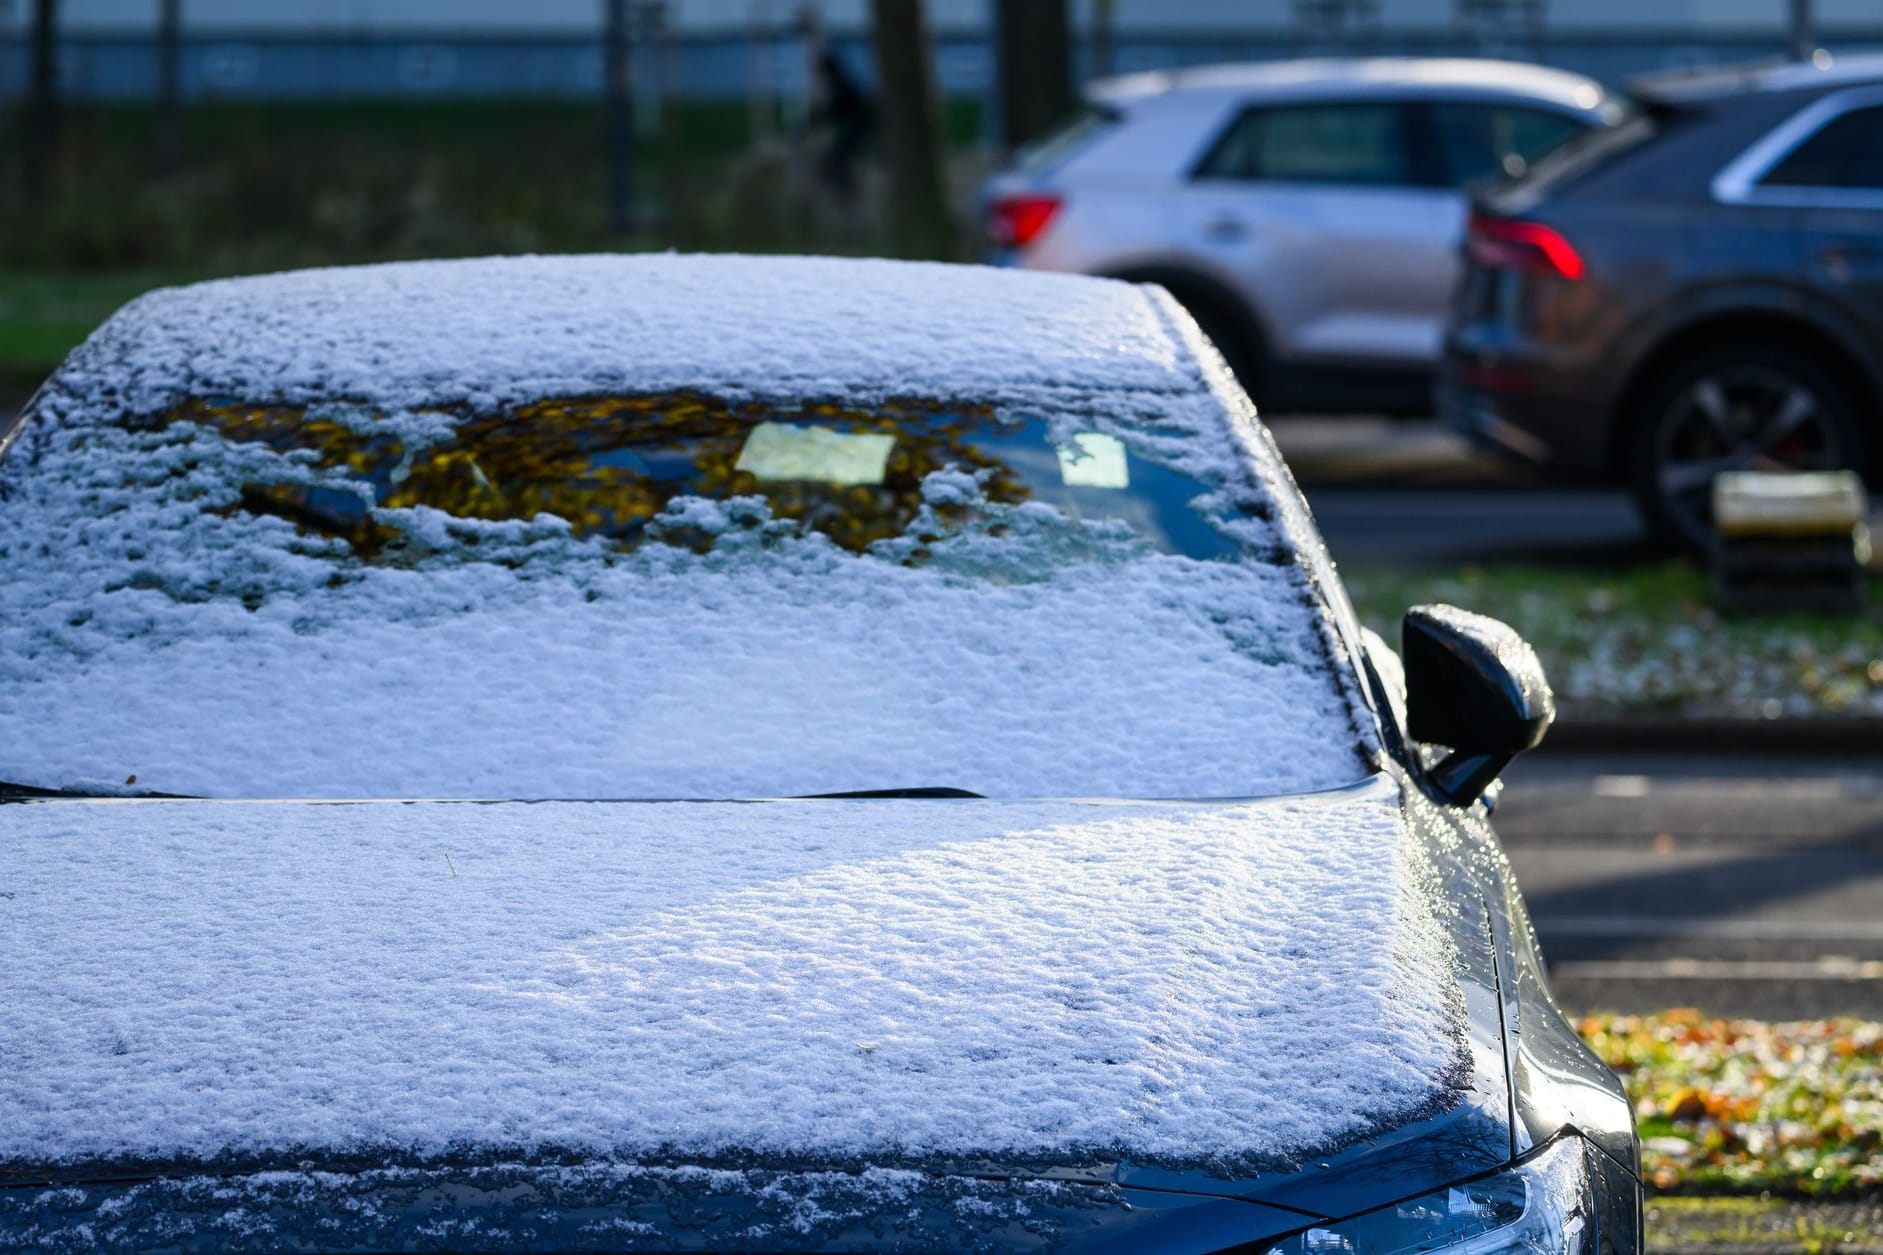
(1213, 984)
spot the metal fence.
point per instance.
(274, 66)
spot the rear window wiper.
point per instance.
(926, 791)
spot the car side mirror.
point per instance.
(1476, 688)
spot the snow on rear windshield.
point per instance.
(650, 596)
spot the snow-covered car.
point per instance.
(706, 752)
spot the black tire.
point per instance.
(1222, 317)
(1232, 341)
(1734, 405)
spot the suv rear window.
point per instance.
(1847, 151)
(1057, 146)
(1480, 140)
(1595, 149)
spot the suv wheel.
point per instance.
(1228, 327)
(1734, 407)
(1233, 344)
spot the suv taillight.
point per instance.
(1513, 244)
(1016, 221)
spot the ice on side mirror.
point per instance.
(1475, 687)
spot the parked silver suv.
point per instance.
(1307, 213)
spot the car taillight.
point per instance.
(1513, 244)
(1016, 221)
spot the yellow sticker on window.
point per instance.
(787, 451)
(1093, 461)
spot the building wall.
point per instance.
(730, 48)
(1701, 17)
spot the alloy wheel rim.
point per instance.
(1741, 418)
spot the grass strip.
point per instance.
(1757, 1226)
(1745, 1106)
(1646, 640)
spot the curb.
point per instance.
(1769, 737)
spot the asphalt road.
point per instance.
(1487, 524)
(1399, 491)
(1742, 886)
(1409, 491)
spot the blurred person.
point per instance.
(846, 111)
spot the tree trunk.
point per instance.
(911, 134)
(1803, 37)
(619, 126)
(42, 109)
(169, 88)
(1104, 19)
(1035, 56)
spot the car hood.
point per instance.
(1277, 1000)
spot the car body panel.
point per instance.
(1579, 348)
(600, 1205)
(1335, 272)
(1841, 251)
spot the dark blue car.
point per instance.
(720, 753)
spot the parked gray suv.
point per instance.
(1307, 213)
(1696, 291)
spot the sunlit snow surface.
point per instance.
(155, 630)
(513, 329)
(1187, 983)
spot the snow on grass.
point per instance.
(1647, 640)
(1189, 983)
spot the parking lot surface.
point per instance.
(1747, 886)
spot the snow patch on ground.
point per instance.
(1190, 983)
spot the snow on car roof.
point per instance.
(1336, 76)
(501, 329)
(1189, 983)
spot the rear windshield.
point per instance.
(1595, 148)
(1057, 146)
(652, 596)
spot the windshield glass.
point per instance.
(651, 596)
(609, 466)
